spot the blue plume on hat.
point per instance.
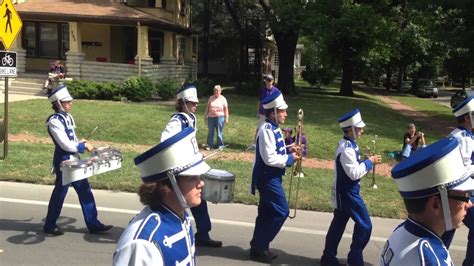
(274, 100)
(352, 118)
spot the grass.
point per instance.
(130, 123)
(26, 163)
(437, 111)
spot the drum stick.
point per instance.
(92, 132)
(213, 153)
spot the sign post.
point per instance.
(10, 18)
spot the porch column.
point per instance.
(74, 56)
(142, 42)
(20, 55)
(188, 49)
(169, 53)
(143, 59)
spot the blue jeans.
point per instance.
(215, 123)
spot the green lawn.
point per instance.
(130, 123)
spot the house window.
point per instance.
(46, 39)
(152, 3)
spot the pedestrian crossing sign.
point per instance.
(10, 25)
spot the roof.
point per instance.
(93, 11)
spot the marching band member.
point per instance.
(464, 136)
(67, 146)
(263, 93)
(270, 162)
(161, 234)
(186, 105)
(346, 200)
(436, 188)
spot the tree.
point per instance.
(286, 19)
(352, 32)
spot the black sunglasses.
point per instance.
(464, 198)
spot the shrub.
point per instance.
(138, 89)
(108, 91)
(85, 89)
(205, 86)
(166, 88)
(250, 87)
(318, 76)
(82, 89)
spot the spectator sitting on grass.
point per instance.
(411, 140)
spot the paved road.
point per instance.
(23, 207)
(444, 97)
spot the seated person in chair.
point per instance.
(56, 72)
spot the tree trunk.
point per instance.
(388, 79)
(286, 44)
(205, 38)
(401, 72)
(242, 65)
(347, 73)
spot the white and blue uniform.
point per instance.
(466, 145)
(348, 203)
(270, 162)
(156, 237)
(177, 123)
(413, 244)
(61, 129)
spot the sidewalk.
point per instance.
(18, 97)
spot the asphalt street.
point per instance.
(301, 241)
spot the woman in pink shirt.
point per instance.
(217, 113)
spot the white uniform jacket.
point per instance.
(349, 170)
(177, 123)
(156, 238)
(413, 244)
(466, 145)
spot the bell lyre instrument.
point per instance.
(296, 170)
(374, 183)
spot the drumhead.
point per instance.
(76, 163)
(219, 175)
(107, 153)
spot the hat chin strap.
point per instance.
(354, 132)
(445, 205)
(61, 108)
(276, 116)
(177, 190)
(472, 121)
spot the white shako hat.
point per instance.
(438, 165)
(353, 118)
(60, 94)
(179, 154)
(188, 93)
(465, 107)
(274, 100)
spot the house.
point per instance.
(107, 40)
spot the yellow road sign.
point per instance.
(10, 23)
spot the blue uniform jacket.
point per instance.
(271, 163)
(157, 237)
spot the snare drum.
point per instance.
(107, 153)
(218, 186)
(106, 159)
(74, 170)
